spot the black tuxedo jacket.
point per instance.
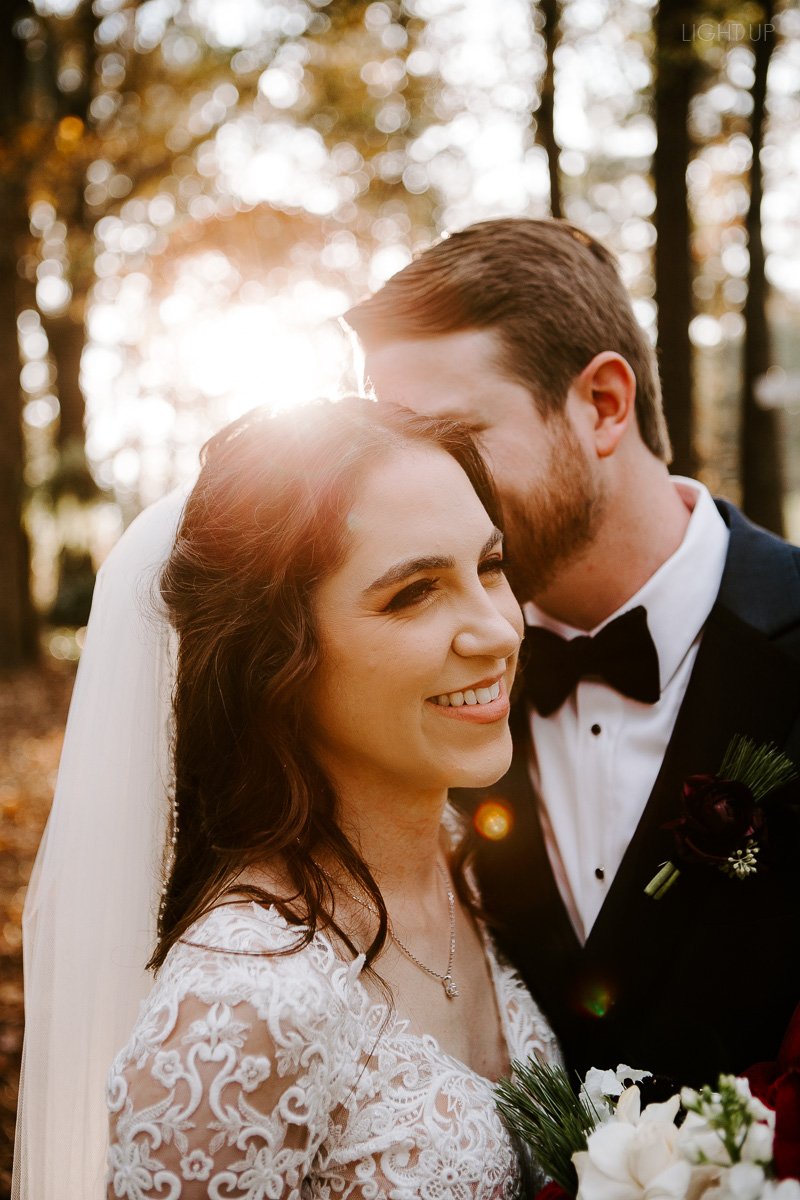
(705, 979)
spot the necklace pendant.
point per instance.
(450, 988)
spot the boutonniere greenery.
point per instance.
(723, 824)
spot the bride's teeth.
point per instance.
(481, 695)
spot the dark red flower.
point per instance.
(553, 1191)
(777, 1084)
(786, 1147)
(720, 816)
(789, 1053)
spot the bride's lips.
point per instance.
(477, 714)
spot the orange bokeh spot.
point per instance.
(493, 820)
(70, 129)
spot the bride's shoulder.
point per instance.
(239, 925)
(241, 1004)
(240, 951)
(248, 968)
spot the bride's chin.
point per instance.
(487, 770)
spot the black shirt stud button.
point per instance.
(599, 873)
(596, 730)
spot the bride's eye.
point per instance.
(415, 593)
(493, 568)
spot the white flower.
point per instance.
(734, 1117)
(253, 1071)
(635, 1155)
(132, 1169)
(787, 1189)
(757, 1145)
(698, 1142)
(757, 1110)
(760, 1112)
(598, 1088)
(196, 1165)
(627, 1074)
(743, 1181)
(601, 1088)
(167, 1067)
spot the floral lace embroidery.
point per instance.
(278, 1077)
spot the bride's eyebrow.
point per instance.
(433, 562)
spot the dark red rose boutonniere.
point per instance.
(723, 820)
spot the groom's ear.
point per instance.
(606, 393)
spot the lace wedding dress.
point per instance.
(280, 1077)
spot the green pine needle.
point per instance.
(760, 768)
(538, 1103)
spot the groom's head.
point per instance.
(524, 330)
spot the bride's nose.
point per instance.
(486, 630)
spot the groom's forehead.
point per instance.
(420, 370)
(449, 376)
(461, 349)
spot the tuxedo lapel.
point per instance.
(761, 581)
(741, 684)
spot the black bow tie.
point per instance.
(622, 654)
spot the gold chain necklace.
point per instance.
(446, 979)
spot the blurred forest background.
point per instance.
(191, 191)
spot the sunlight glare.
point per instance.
(203, 356)
(249, 357)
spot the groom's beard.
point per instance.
(556, 519)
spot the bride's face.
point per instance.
(419, 614)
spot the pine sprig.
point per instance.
(759, 768)
(538, 1103)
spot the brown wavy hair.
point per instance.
(551, 293)
(265, 523)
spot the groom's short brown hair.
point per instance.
(550, 291)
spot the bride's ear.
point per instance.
(606, 390)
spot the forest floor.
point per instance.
(33, 710)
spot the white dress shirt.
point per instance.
(595, 760)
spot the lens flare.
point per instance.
(597, 999)
(493, 820)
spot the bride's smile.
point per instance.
(481, 703)
(418, 624)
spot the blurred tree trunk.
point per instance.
(674, 88)
(66, 332)
(545, 117)
(66, 337)
(760, 448)
(18, 642)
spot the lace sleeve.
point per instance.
(228, 1097)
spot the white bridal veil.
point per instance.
(90, 912)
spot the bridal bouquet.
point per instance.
(602, 1145)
